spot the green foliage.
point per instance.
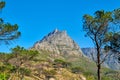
(116, 14)
(13, 69)
(86, 64)
(90, 77)
(77, 65)
(5, 57)
(49, 72)
(25, 71)
(107, 78)
(58, 61)
(4, 76)
(17, 49)
(88, 73)
(77, 70)
(61, 63)
(6, 67)
(2, 4)
(24, 54)
(115, 42)
(8, 31)
(97, 25)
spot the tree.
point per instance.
(8, 31)
(22, 56)
(114, 36)
(96, 27)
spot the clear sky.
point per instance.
(36, 18)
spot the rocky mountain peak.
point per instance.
(56, 30)
(54, 34)
(58, 42)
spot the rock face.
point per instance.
(58, 42)
(111, 61)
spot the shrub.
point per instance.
(90, 77)
(77, 70)
(106, 78)
(25, 71)
(88, 73)
(61, 63)
(4, 76)
(49, 72)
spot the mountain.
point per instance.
(111, 61)
(58, 42)
(58, 49)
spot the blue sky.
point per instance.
(36, 18)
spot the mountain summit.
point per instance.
(58, 42)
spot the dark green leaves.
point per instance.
(8, 32)
(97, 25)
(117, 14)
(2, 4)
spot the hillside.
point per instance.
(61, 46)
(55, 57)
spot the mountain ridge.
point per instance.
(111, 61)
(58, 42)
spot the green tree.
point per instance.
(115, 40)
(96, 27)
(114, 36)
(8, 31)
(22, 55)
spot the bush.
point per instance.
(88, 73)
(25, 71)
(77, 70)
(61, 63)
(90, 77)
(4, 76)
(49, 72)
(106, 78)
(6, 67)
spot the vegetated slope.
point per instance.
(40, 67)
(60, 46)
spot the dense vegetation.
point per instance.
(32, 65)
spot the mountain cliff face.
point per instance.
(58, 42)
(111, 61)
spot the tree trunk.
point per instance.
(98, 65)
(98, 72)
